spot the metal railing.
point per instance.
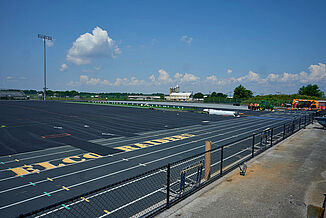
(152, 192)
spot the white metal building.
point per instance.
(179, 96)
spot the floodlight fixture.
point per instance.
(44, 37)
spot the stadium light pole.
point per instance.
(44, 37)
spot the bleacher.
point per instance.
(12, 95)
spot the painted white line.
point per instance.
(201, 130)
(27, 158)
(14, 155)
(111, 163)
(160, 171)
(158, 190)
(169, 131)
(101, 193)
(4, 170)
(117, 172)
(119, 208)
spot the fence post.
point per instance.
(208, 146)
(283, 131)
(292, 127)
(272, 131)
(168, 187)
(253, 146)
(221, 167)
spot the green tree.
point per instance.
(221, 95)
(311, 90)
(199, 95)
(214, 94)
(242, 92)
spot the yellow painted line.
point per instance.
(65, 188)
(9, 155)
(107, 212)
(17, 160)
(85, 199)
(3, 126)
(49, 179)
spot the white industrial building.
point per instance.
(175, 95)
(179, 96)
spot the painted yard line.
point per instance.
(202, 128)
(114, 161)
(151, 193)
(168, 130)
(119, 208)
(120, 186)
(98, 141)
(101, 193)
(113, 173)
(94, 167)
(141, 198)
(4, 179)
(164, 130)
(105, 139)
(43, 150)
(43, 155)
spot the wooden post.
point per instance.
(208, 145)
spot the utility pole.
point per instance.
(44, 37)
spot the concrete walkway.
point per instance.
(281, 182)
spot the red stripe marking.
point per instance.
(55, 135)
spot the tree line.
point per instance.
(241, 93)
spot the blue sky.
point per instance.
(149, 46)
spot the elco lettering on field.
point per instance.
(38, 167)
(35, 168)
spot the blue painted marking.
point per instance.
(68, 208)
(2, 162)
(32, 183)
(47, 194)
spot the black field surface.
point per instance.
(52, 151)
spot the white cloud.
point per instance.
(288, 77)
(187, 77)
(9, 78)
(63, 67)
(85, 80)
(95, 45)
(250, 77)
(152, 78)
(229, 71)
(186, 39)
(211, 78)
(93, 81)
(272, 77)
(178, 76)
(164, 76)
(318, 72)
(271, 82)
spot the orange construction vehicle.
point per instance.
(308, 104)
